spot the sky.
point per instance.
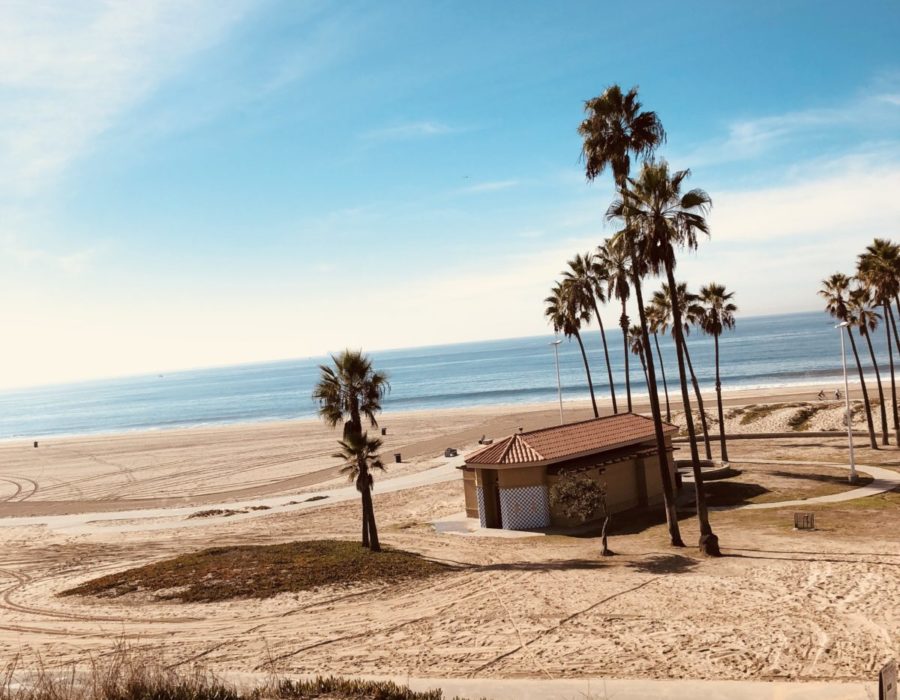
(190, 184)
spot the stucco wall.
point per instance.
(523, 476)
(469, 488)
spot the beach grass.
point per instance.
(262, 571)
(130, 674)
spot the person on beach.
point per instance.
(822, 395)
(837, 394)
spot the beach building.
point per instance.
(507, 483)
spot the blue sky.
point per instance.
(191, 184)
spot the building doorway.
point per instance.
(491, 492)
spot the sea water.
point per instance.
(762, 351)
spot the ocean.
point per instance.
(762, 351)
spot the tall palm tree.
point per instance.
(835, 291)
(636, 343)
(667, 218)
(586, 272)
(656, 319)
(615, 130)
(690, 312)
(877, 270)
(864, 318)
(566, 314)
(717, 316)
(348, 392)
(359, 454)
(614, 261)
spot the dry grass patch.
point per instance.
(755, 412)
(801, 420)
(262, 571)
(131, 675)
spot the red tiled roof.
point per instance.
(562, 442)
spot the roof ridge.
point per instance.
(527, 444)
(509, 443)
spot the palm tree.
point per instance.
(877, 270)
(348, 392)
(666, 218)
(359, 454)
(835, 290)
(656, 319)
(586, 272)
(691, 313)
(615, 130)
(717, 316)
(566, 314)
(636, 343)
(864, 318)
(614, 261)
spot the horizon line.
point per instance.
(323, 356)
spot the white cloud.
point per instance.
(494, 186)
(69, 71)
(409, 130)
(751, 138)
(827, 200)
(25, 255)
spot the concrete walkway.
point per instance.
(600, 689)
(883, 480)
(175, 518)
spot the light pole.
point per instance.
(841, 327)
(555, 345)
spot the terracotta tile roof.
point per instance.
(562, 442)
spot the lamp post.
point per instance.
(852, 477)
(555, 345)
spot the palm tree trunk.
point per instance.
(662, 450)
(723, 446)
(884, 423)
(623, 322)
(662, 371)
(374, 544)
(703, 422)
(644, 367)
(612, 386)
(709, 543)
(862, 383)
(894, 326)
(365, 515)
(889, 321)
(587, 371)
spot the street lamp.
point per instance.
(555, 345)
(852, 477)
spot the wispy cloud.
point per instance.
(410, 130)
(69, 71)
(494, 186)
(849, 194)
(23, 255)
(751, 138)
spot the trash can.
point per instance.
(397, 457)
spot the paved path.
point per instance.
(882, 480)
(172, 518)
(600, 689)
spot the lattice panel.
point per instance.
(479, 493)
(525, 508)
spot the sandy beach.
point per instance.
(781, 604)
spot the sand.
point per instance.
(780, 605)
